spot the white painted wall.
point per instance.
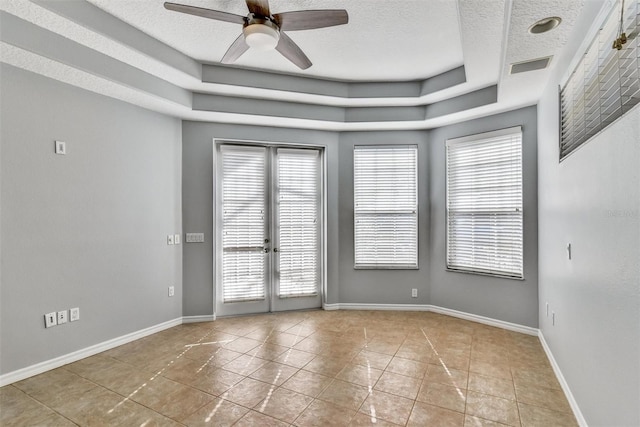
(592, 200)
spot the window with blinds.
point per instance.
(484, 203)
(244, 196)
(606, 82)
(386, 206)
(298, 209)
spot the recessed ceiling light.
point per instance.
(544, 25)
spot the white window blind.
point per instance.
(484, 203)
(386, 206)
(243, 204)
(606, 82)
(298, 193)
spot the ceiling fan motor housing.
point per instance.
(261, 32)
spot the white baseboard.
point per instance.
(389, 307)
(441, 310)
(563, 383)
(485, 320)
(47, 365)
(198, 319)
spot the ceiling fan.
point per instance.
(262, 30)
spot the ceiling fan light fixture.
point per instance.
(544, 25)
(261, 36)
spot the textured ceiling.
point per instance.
(384, 39)
(109, 46)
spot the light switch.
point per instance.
(176, 239)
(61, 147)
(170, 239)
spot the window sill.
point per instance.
(482, 273)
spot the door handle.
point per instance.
(275, 249)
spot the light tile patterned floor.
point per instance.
(312, 368)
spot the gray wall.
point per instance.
(87, 229)
(504, 299)
(197, 191)
(382, 286)
(509, 300)
(592, 200)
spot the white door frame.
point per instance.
(217, 224)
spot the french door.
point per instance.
(269, 228)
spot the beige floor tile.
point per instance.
(492, 408)
(283, 404)
(399, 385)
(410, 368)
(471, 421)
(248, 392)
(342, 393)
(284, 339)
(254, 418)
(447, 376)
(424, 415)
(213, 356)
(542, 377)
(219, 412)
(244, 365)
(321, 414)
(360, 375)
(549, 398)
(274, 373)
(534, 416)
(18, 409)
(361, 367)
(492, 385)
(242, 344)
(295, 358)
(372, 359)
(267, 351)
(361, 419)
(216, 381)
(388, 407)
(490, 369)
(181, 404)
(444, 396)
(327, 366)
(307, 383)
(383, 346)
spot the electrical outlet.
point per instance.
(170, 239)
(62, 317)
(172, 291)
(74, 314)
(414, 293)
(176, 239)
(50, 320)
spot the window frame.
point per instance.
(415, 213)
(485, 136)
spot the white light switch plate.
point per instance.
(170, 239)
(195, 238)
(62, 317)
(74, 314)
(176, 239)
(61, 147)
